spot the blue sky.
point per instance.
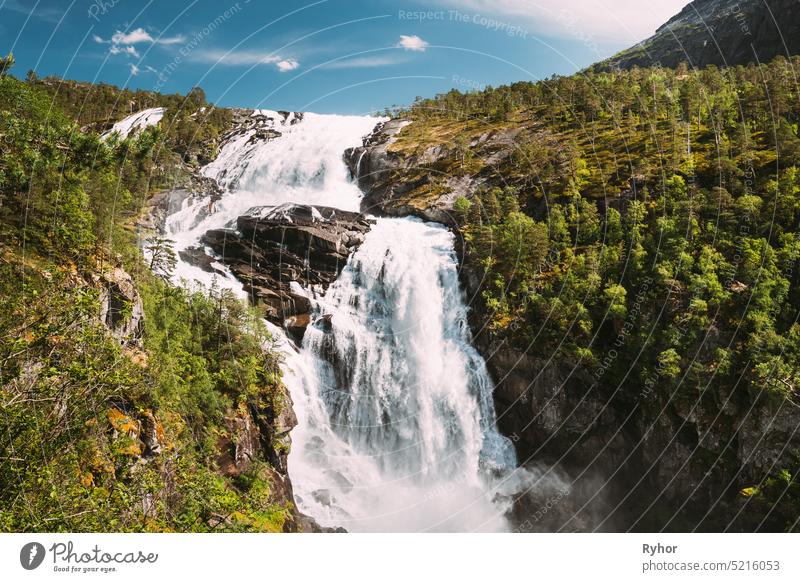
(330, 56)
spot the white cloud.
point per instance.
(138, 36)
(412, 43)
(132, 37)
(127, 50)
(235, 57)
(287, 65)
(365, 62)
(123, 43)
(169, 40)
(245, 58)
(625, 21)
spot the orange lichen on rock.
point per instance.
(123, 423)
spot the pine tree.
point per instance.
(162, 257)
(6, 63)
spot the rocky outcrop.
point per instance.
(256, 433)
(371, 164)
(121, 308)
(278, 252)
(718, 32)
(240, 447)
(390, 179)
(425, 180)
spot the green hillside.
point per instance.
(121, 419)
(642, 227)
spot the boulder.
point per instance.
(277, 251)
(296, 325)
(198, 257)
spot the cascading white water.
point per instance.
(395, 406)
(134, 123)
(303, 165)
(396, 421)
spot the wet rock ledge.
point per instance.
(278, 251)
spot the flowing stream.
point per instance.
(396, 420)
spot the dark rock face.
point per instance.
(559, 423)
(372, 164)
(376, 170)
(718, 32)
(274, 247)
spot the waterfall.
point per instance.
(395, 406)
(396, 420)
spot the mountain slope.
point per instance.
(630, 251)
(718, 32)
(126, 404)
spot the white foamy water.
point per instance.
(395, 406)
(396, 420)
(135, 123)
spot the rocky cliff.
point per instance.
(633, 459)
(718, 32)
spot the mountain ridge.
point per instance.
(717, 32)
